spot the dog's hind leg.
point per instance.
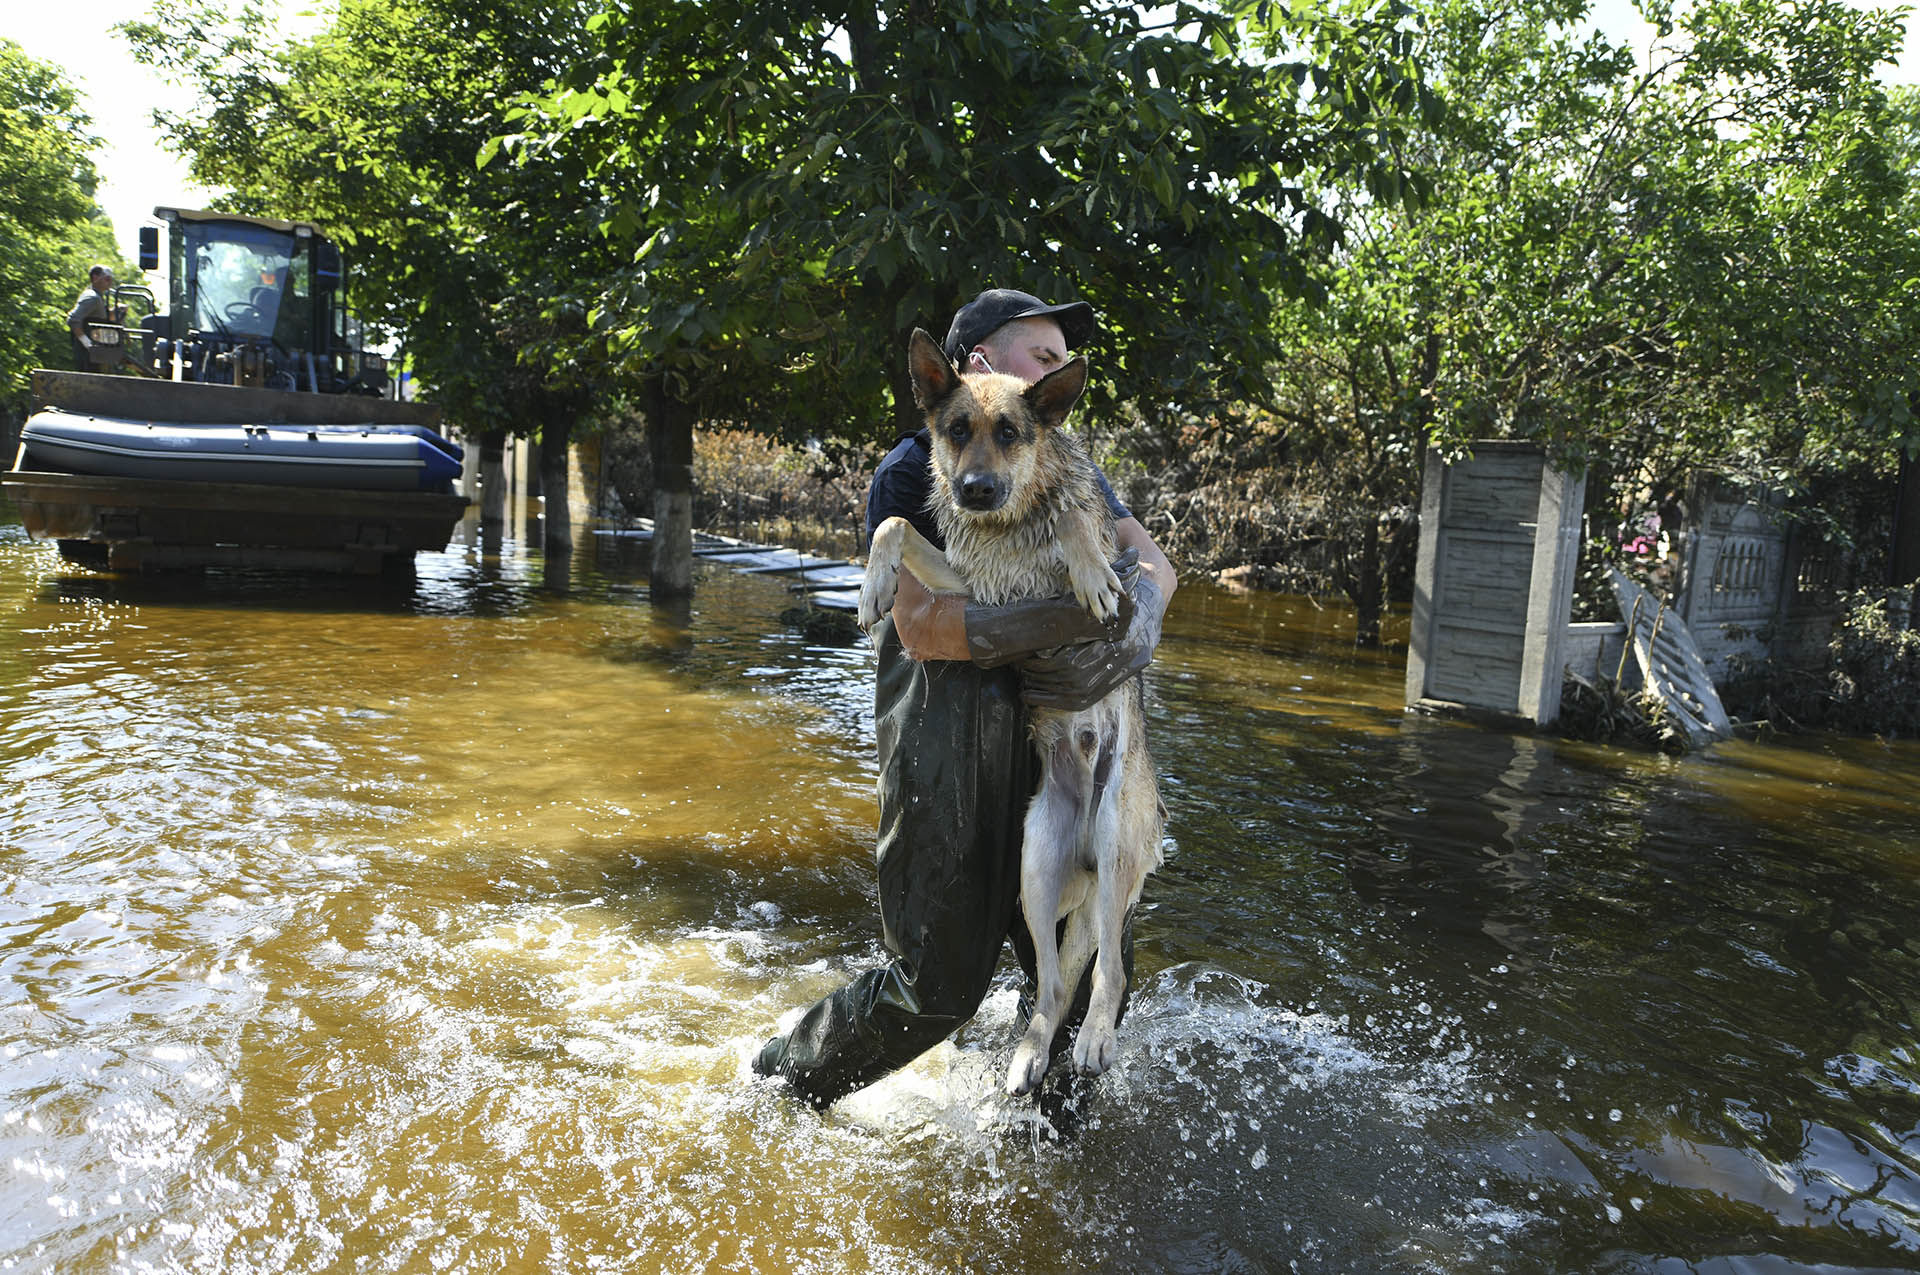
(1078, 944)
(1097, 1044)
(1121, 874)
(1047, 873)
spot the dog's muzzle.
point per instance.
(982, 493)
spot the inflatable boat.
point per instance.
(134, 473)
(347, 457)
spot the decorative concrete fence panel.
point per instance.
(1499, 542)
(1733, 586)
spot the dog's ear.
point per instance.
(933, 373)
(1053, 395)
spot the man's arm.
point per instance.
(1076, 677)
(83, 309)
(931, 626)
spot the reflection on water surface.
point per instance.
(431, 929)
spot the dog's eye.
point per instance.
(1007, 433)
(958, 431)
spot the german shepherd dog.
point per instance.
(1016, 498)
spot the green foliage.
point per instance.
(372, 129)
(1321, 237)
(800, 184)
(1868, 685)
(50, 229)
(1873, 671)
(1708, 258)
(1705, 258)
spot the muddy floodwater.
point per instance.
(432, 929)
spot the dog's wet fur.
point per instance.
(1016, 498)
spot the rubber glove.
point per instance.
(1075, 677)
(999, 635)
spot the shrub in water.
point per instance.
(1873, 667)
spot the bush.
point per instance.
(1247, 496)
(1601, 712)
(1870, 684)
(1873, 666)
(746, 483)
(752, 485)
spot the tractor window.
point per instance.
(292, 328)
(239, 277)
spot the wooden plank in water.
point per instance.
(827, 582)
(804, 566)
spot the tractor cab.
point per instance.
(252, 301)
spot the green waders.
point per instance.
(956, 773)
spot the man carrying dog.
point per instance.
(956, 767)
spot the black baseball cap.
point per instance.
(993, 309)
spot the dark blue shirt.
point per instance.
(905, 479)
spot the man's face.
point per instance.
(1026, 348)
(103, 284)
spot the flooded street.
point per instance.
(432, 929)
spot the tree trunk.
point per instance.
(1903, 555)
(554, 468)
(493, 479)
(907, 417)
(670, 440)
(1369, 589)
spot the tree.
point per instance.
(50, 228)
(371, 129)
(798, 185)
(1667, 247)
(1705, 259)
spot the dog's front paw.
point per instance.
(1029, 1065)
(1098, 591)
(1094, 1049)
(876, 595)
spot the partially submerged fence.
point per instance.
(1749, 584)
(1499, 543)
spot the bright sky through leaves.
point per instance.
(137, 171)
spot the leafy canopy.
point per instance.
(1710, 255)
(371, 129)
(50, 227)
(794, 186)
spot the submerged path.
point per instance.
(826, 582)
